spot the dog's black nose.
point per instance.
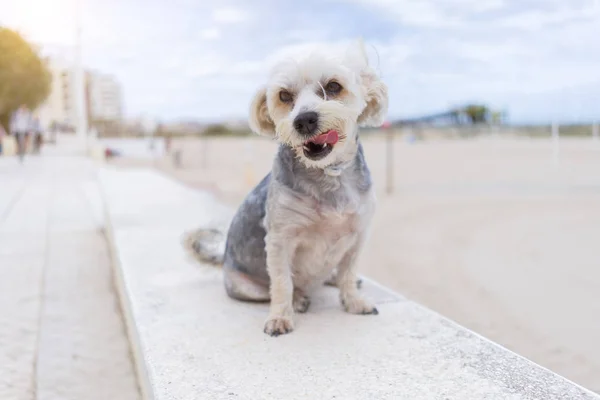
(306, 123)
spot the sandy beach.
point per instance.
(497, 234)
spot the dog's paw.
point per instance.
(278, 326)
(301, 304)
(358, 305)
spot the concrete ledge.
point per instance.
(193, 342)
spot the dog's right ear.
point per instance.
(260, 120)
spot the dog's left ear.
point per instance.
(260, 120)
(375, 92)
(376, 97)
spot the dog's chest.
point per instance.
(327, 236)
(329, 227)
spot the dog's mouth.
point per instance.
(320, 146)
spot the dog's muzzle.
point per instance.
(319, 146)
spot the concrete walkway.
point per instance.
(193, 342)
(61, 331)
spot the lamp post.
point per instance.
(389, 157)
(79, 81)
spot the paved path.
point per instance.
(61, 331)
(193, 342)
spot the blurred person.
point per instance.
(53, 132)
(37, 135)
(168, 141)
(20, 126)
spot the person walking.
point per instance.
(37, 133)
(20, 125)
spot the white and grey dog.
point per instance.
(305, 223)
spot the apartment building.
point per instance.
(103, 98)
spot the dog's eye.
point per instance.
(285, 96)
(333, 87)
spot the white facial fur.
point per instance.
(361, 102)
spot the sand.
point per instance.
(497, 234)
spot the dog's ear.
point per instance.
(375, 92)
(376, 99)
(260, 120)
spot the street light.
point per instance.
(80, 97)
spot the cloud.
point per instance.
(209, 34)
(230, 15)
(52, 21)
(429, 13)
(203, 59)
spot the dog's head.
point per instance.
(315, 103)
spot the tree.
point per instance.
(477, 113)
(24, 76)
(216, 130)
(496, 117)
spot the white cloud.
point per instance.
(230, 15)
(209, 59)
(209, 34)
(534, 20)
(245, 68)
(429, 13)
(526, 51)
(205, 66)
(479, 6)
(48, 22)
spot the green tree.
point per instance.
(477, 113)
(496, 117)
(24, 76)
(216, 130)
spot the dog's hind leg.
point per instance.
(333, 280)
(240, 286)
(301, 301)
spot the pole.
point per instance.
(204, 157)
(79, 83)
(389, 159)
(249, 162)
(556, 142)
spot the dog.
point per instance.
(305, 223)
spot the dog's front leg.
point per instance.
(279, 266)
(350, 297)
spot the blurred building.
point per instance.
(184, 127)
(59, 108)
(103, 97)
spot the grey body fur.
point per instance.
(245, 259)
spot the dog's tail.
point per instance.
(204, 245)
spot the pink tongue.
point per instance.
(330, 137)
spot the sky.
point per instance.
(538, 60)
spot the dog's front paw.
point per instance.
(358, 305)
(278, 326)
